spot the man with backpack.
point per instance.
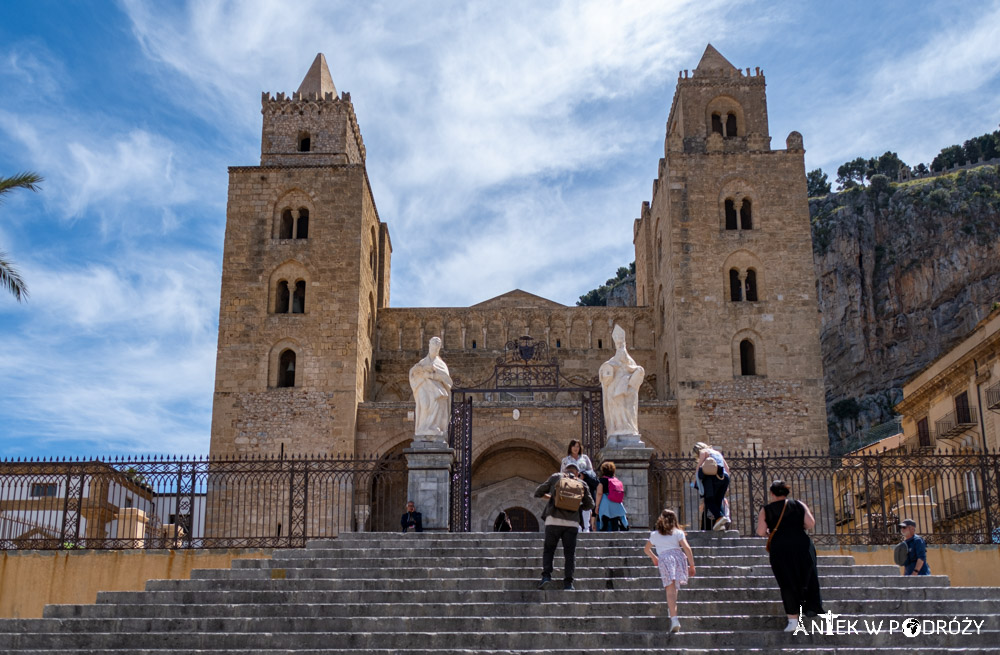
(567, 495)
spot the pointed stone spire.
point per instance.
(712, 60)
(318, 80)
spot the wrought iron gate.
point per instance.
(524, 366)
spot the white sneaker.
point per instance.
(792, 624)
(675, 624)
(720, 523)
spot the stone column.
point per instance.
(429, 482)
(632, 468)
(132, 525)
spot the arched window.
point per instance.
(305, 143)
(302, 225)
(747, 364)
(281, 298)
(558, 343)
(299, 298)
(735, 288)
(751, 285)
(746, 220)
(717, 124)
(286, 369)
(731, 124)
(285, 232)
(473, 344)
(730, 214)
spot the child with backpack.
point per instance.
(567, 495)
(673, 558)
(611, 500)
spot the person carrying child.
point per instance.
(673, 558)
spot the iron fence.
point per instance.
(856, 499)
(196, 503)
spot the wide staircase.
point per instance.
(476, 593)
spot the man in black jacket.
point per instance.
(412, 519)
(561, 525)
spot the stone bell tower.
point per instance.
(305, 271)
(724, 256)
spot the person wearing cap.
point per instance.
(713, 487)
(561, 525)
(916, 547)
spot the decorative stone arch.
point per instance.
(489, 501)
(537, 328)
(394, 391)
(373, 253)
(291, 200)
(453, 330)
(579, 337)
(387, 335)
(724, 106)
(474, 338)
(274, 361)
(665, 376)
(411, 335)
(759, 359)
(558, 337)
(743, 261)
(496, 335)
(743, 196)
(291, 272)
(493, 440)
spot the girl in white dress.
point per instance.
(673, 558)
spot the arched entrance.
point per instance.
(522, 520)
(523, 372)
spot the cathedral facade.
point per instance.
(312, 358)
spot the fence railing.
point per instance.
(281, 503)
(856, 499)
(196, 503)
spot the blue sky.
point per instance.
(515, 141)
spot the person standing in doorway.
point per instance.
(916, 549)
(673, 558)
(567, 496)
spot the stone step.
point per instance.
(379, 625)
(513, 551)
(293, 593)
(786, 650)
(657, 607)
(526, 581)
(587, 569)
(583, 640)
(366, 559)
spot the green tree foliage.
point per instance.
(980, 148)
(888, 165)
(817, 184)
(852, 173)
(9, 276)
(599, 297)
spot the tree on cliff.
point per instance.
(852, 173)
(9, 277)
(817, 184)
(599, 297)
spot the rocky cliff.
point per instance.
(904, 271)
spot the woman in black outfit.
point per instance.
(793, 555)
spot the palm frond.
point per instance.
(11, 279)
(26, 180)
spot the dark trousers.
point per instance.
(715, 492)
(553, 534)
(612, 524)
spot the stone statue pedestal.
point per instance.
(631, 458)
(429, 482)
